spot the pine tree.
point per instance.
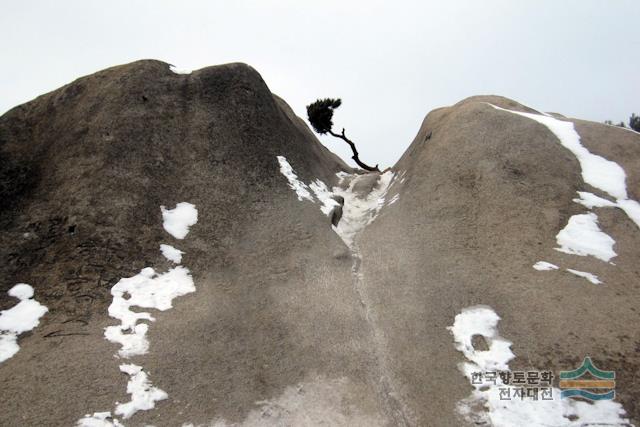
(634, 122)
(320, 115)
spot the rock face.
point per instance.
(85, 170)
(483, 200)
(288, 325)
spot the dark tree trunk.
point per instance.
(355, 152)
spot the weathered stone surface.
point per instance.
(482, 201)
(89, 166)
(280, 329)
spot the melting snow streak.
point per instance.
(301, 189)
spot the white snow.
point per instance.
(323, 194)
(177, 70)
(172, 254)
(544, 266)
(590, 277)
(143, 395)
(147, 289)
(20, 318)
(358, 212)
(629, 206)
(632, 209)
(597, 171)
(301, 189)
(482, 320)
(394, 199)
(98, 419)
(590, 200)
(583, 237)
(178, 220)
(22, 291)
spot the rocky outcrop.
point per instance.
(282, 317)
(88, 168)
(483, 200)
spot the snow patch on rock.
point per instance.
(591, 201)
(583, 237)
(98, 419)
(147, 289)
(177, 221)
(484, 406)
(544, 266)
(172, 254)
(597, 171)
(143, 395)
(20, 318)
(177, 70)
(590, 277)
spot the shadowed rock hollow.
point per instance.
(287, 324)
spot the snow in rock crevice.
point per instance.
(22, 317)
(358, 211)
(496, 412)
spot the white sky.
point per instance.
(390, 62)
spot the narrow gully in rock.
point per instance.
(364, 197)
(360, 197)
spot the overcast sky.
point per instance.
(390, 62)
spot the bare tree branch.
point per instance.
(355, 152)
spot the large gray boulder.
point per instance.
(85, 170)
(294, 320)
(486, 192)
